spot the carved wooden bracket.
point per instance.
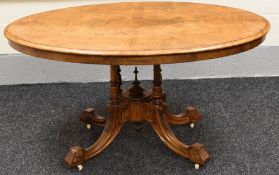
(138, 105)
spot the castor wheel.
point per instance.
(80, 167)
(88, 126)
(192, 125)
(197, 166)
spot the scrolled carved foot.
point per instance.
(75, 157)
(190, 115)
(89, 117)
(193, 114)
(198, 154)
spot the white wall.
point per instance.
(18, 69)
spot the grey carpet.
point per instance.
(240, 129)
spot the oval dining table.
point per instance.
(138, 33)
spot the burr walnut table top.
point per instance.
(137, 33)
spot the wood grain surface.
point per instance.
(138, 33)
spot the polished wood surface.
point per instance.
(138, 33)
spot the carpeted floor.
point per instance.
(240, 129)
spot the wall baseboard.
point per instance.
(22, 69)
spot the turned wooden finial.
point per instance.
(136, 81)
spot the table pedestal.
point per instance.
(138, 105)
